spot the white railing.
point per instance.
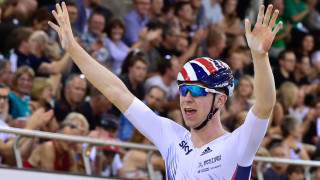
(151, 149)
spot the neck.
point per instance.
(133, 82)
(284, 72)
(71, 103)
(208, 133)
(20, 95)
(23, 51)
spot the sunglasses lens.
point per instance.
(194, 90)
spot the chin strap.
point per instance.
(210, 115)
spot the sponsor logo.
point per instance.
(206, 151)
(185, 147)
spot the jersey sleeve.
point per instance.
(250, 135)
(159, 130)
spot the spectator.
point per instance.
(155, 9)
(215, 44)
(263, 152)
(169, 39)
(167, 15)
(6, 74)
(135, 165)
(74, 92)
(312, 22)
(40, 18)
(199, 14)
(295, 172)
(299, 109)
(41, 93)
(292, 133)
(184, 13)
(56, 154)
(283, 35)
(21, 87)
(231, 24)
(94, 108)
(19, 12)
(93, 38)
(135, 20)
(277, 170)
(213, 11)
(154, 100)
(235, 57)
(117, 48)
(311, 124)
(287, 62)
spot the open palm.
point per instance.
(262, 35)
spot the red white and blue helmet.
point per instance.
(215, 74)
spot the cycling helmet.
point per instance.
(212, 73)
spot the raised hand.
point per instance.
(262, 35)
(64, 28)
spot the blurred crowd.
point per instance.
(42, 89)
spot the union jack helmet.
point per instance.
(212, 73)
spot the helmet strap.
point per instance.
(210, 115)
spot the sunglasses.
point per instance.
(195, 90)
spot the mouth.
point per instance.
(189, 111)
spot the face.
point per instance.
(245, 88)
(317, 174)
(182, 45)
(278, 152)
(156, 7)
(41, 25)
(186, 13)
(67, 145)
(117, 33)
(221, 45)
(156, 41)
(308, 43)
(25, 82)
(173, 36)
(47, 94)
(305, 67)
(155, 98)
(108, 157)
(3, 98)
(138, 71)
(195, 109)
(77, 89)
(289, 62)
(96, 24)
(73, 13)
(236, 61)
(111, 131)
(297, 131)
(296, 176)
(230, 6)
(6, 76)
(142, 6)
(81, 127)
(300, 97)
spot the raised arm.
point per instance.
(259, 41)
(107, 83)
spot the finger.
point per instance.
(54, 26)
(65, 11)
(274, 18)
(247, 26)
(56, 16)
(58, 8)
(277, 28)
(267, 15)
(260, 15)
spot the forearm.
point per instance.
(189, 53)
(104, 80)
(59, 65)
(264, 86)
(299, 16)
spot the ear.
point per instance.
(220, 100)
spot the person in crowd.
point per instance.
(292, 132)
(39, 19)
(311, 124)
(19, 12)
(55, 155)
(41, 93)
(155, 9)
(262, 152)
(6, 74)
(199, 15)
(134, 163)
(215, 43)
(299, 108)
(295, 172)
(135, 20)
(93, 38)
(19, 97)
(277, 171)
(117, 48)
(287, 62)
(74, 92)
(213, 11)
(235, 57)
(306, 46)
(184, 13)
(231, 24)
(154, 99)
(94, 108)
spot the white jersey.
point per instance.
(227, 157)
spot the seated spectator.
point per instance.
(304, 74)
(184, 12)
(39, 19)
(167, 15)
(235, 57)
(199, 14)
(292, 133)
(21, 88)
(109, 165)
(155, 9)
(55, 155)
(287, 61)
(213, 11)
(277, 170)
(311, 124)
(117, 48)
(19, 12)
(41, 93)
(135, 20)
(93, 38)
(299, 109)
(231, 24)
(306, 46)
(6, 74)
(74, 92)
(153, 99)
(170, 36)
(94, 108)
(295, 172)
(134, 164)
(215, 44)
(262, 152)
